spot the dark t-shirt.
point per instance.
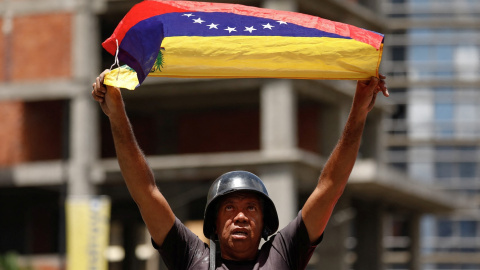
(290, 248)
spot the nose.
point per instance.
(240, 217)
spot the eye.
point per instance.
(229, 208)
(251, 208)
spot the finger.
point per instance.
(385, 92)
(96, 97)
(383, 87)
(102, 75)
(365, 82)
(373, 82)
(97, 92)
(372, 103)
(94, 87)
(368, 82)
(99, 86)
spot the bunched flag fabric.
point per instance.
(215, 40)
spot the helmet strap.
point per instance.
(213, 251)
(265, 233)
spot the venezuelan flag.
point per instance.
(215, 40)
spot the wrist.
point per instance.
(358, 113)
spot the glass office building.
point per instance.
(433, 63)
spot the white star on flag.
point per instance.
(282, 22)
(199, 20)
(230, 29)
(188, 15)
(249, 29)
(212, 25)
(268, 25)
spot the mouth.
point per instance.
(240, 234)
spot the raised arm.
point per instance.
(317, 210)
(138, 176)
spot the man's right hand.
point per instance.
(109, 97)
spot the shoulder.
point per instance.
(289, 248)
(182, 249)
(295, 228)
(294, 237)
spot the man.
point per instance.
(238, 210)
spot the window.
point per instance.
(467, 169)
(443, 111)
(444, 171)
(470, 266)
(443, 53)
(419, 53)
(445, 228)
(468, 228)
(398, 53)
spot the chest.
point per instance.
(265, 261)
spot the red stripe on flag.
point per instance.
(138, 13)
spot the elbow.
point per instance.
(333, 190)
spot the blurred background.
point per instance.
(412, 201)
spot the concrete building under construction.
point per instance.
(56, 143)
(433, 132)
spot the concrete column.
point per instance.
(331, 128)
(146, 250)
(7, 31)
(84, 139)
(371, 139)
(414, 234)
(281, 185)
(278, 137)
(369, 234)
(286, 5)
(86, 43)
(278, 116)
(333, 251)
(83, 146)
(381, 145)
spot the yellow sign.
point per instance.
(88, 219)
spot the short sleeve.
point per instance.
(293, 243)
(182, 249)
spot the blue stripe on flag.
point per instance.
(228, 24)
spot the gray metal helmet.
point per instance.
(239, 181)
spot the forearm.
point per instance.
(133, 165)
(340, 164)
(140, 181)
(317, 210)
(138, 176)
(333, 179)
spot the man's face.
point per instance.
(239, 226)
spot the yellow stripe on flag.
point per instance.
(268, 57)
